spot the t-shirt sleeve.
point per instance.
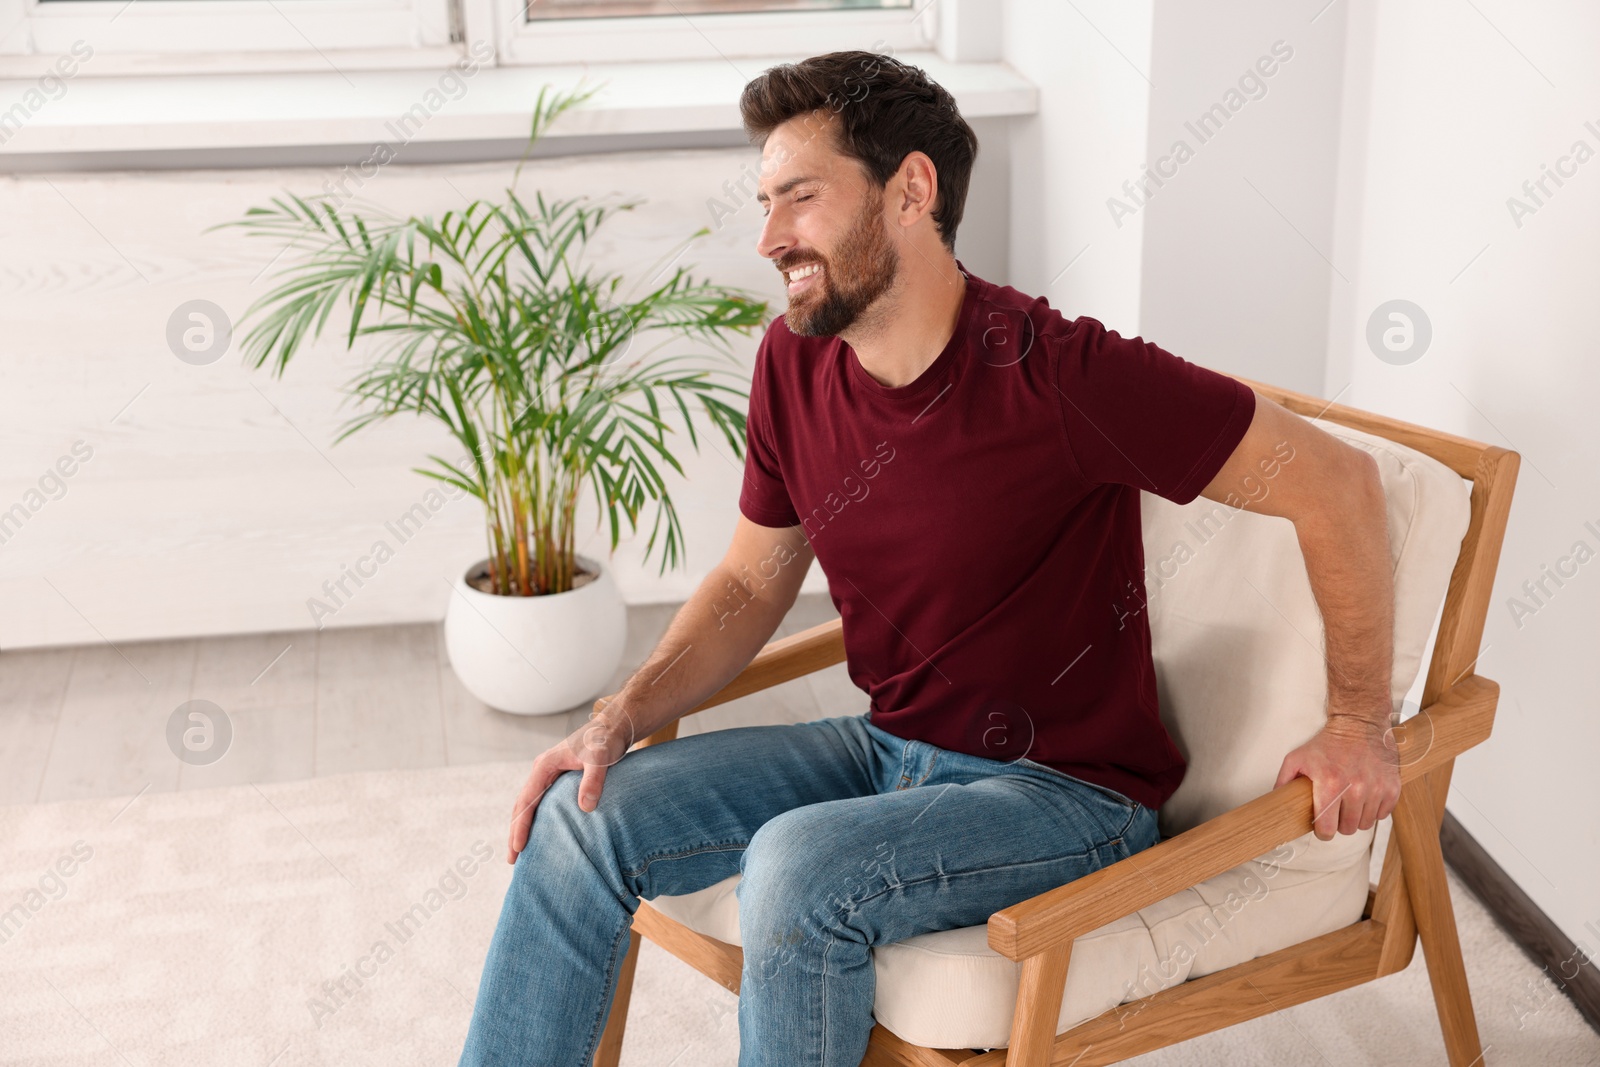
(1139, 415)
(763, 497)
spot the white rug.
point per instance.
(266, 927)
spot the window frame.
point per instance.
(733, 35)
(232, 36)
(255, 37)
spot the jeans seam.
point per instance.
(934, 758)
(1133, 813)
(823, 987)
(722, 846)
(601, 1018)
(1092, 850)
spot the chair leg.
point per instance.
(1416, 826)
(610, 1049)
(1033, 1025)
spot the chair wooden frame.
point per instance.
(1410, 900)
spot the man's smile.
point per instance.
(800, 278)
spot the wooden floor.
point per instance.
(90, 721)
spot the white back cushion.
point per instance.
(1238, 641)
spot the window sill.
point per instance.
(316, 118)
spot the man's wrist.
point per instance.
(625, 716)
(1380, 721)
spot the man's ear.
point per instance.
(918, 188)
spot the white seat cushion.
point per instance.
(1237, 640)
(949, 989)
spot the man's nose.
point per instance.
(774, 239)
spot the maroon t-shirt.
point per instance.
(979, 527)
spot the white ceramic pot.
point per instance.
(537, 655)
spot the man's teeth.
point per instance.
(804, 272)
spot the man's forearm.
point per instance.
(711, 639)
(1346, 550)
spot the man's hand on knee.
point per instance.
(593, 747)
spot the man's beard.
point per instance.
(861, 269)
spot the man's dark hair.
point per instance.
(886, 110)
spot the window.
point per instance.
(227, 36)
(119, 37)
(563, 32)
(566, 9)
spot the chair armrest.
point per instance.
(1459, 719)
(778, 661)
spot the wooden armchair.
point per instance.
(1411, 899)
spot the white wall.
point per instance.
(1204, 267)
(1451, 107)
(1091, 62)
(1236, 270)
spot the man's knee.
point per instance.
(802, 887)
(797, 872)
(610, 835)
(560, 798)
(619, 793)
(561, 831)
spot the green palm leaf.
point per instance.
(542, 368)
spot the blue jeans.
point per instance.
(845, 836)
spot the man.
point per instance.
(966, 464)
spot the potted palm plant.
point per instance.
(488, 320)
